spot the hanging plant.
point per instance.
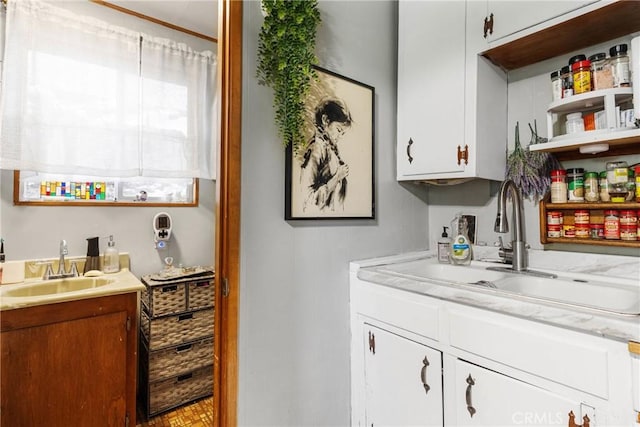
(531, 170)
(286, 53)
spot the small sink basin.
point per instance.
(421, 269)
(58, 286)
(608, 296)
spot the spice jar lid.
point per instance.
(620, 49)
(574, 116)
(555, 74)
(611, 212)
(628, 213)
(558, 172)
(598, 57)
(637, 170)
(596, 225)
(577, 58)
(591, 174)
(581, 64)
(603, 174)
(575, 171)
(565, 69)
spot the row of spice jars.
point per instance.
(597, 72)
(617, 184)
(617, 225)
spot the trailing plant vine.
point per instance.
(286, 53)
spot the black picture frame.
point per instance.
(332, 175)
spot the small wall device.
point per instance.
(161, 229)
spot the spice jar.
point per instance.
(583, 231)
(628, 232)
(575, 185)
(574, 123)
(556, 86)
(617, 177)
(631, 186)
(619, 65)
(601, 77)
(554, 230)
(628, 217)
(581, 217)
(581, 71)
(555, 218)
(611, 225)
(604, 187)
(591, 187)
(567, 81)
(637, 184)
(597, 231)
(569, 231)
(558, 186)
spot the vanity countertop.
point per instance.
(618, 327)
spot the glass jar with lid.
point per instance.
(620, 65)
(601, 77)
(574, 123)
(581, 71)
(617, 177)
(591, 187)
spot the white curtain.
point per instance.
(74, 99)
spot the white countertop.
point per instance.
(618, 327)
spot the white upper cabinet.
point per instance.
(451, 102)
(504, 18)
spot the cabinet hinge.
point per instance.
(128, 324)
(372, 342)
(463, 155)
(225, 287)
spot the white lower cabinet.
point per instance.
(403, 381)
(480, 367)
(487, 398)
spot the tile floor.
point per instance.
(197, 414)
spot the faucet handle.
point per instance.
(48, 272)
(74, 269)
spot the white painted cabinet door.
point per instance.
(487, 398)
(431, 80)
(512, 16)
(403, 381)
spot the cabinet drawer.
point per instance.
(167, 299)
(172, 392)
(173, 361)
(200, 294)
(174, 330)
(542, 350)
(398, 308)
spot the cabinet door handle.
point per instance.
(423, 374)
(372, 343)
(470, 408)
(183, 348)
(409, 150)
(488, 25)
(170, 288)
(186, 316)
(572, 420)
(463, 155)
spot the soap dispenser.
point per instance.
(444, 246)
(461, 250)
(111, 263)
(93, 255)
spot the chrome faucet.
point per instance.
(73, 272)
(518, 250)
(517, 253)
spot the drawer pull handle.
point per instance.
(202, 284)
(186, 316)
(423, 375)
(185, 376)
(183, 348)
(170, 288)
(470, 407)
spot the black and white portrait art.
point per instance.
(331, 176)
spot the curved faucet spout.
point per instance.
(518, 244)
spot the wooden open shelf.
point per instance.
(545, 206)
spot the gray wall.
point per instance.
(294, 301)
(34, 232)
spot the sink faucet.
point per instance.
(518, 250)
(517, 253)
(73, 272)
(63, 251)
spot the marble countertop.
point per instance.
(618, 327)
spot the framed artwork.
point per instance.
(331, 176)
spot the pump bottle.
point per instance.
(111, 262)
(461, 250)
(444, 246)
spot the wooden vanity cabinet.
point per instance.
(70, 363)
